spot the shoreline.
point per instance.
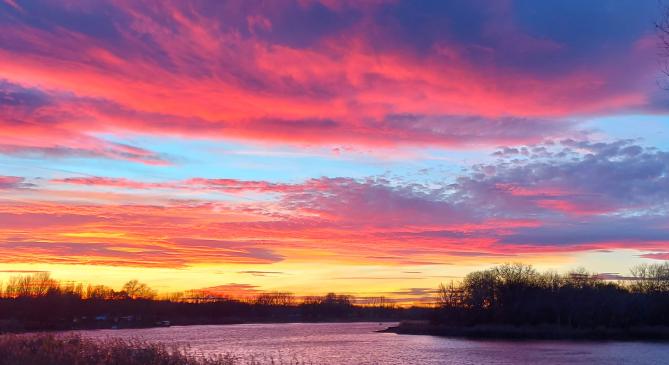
(537, 332)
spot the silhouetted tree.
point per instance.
(275, 299)
(35, 285)
(651, 278)
(136, 290)
(518, 294)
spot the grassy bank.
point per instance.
(536, 332)
(47, 349)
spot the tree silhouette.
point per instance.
(519, 295)
(136, 290)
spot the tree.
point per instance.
(450, 296)
(479, 289)
(99, 292)
(283, 299)
(35, 285)
(136, 290)
(650, 278)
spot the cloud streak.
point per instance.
(557, 197)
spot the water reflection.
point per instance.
(357, 343)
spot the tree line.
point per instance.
(41, 284)
(509, 294)
(39, 302)
(517, 294)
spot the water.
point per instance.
(357, 343)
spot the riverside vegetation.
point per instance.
(517, 301)
(47, 349)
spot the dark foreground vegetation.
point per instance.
(39, 303)
(516, 301)
(41, 349)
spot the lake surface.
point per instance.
(357, 343)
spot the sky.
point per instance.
(374, 148)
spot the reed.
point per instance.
(50, 349)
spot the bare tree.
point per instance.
(275, 299)
(34, 285)
(649, 278)
(450, 296)
(136, 290)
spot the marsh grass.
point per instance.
(49, 349)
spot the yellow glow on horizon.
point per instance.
(94, 234)
(316, 278)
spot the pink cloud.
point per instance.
(175, 70)
(657, 256)
(12, 182)
(561, 197)
(111, 182)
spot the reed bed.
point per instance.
(50, 349)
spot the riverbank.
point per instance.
(539, 332)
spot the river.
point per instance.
(358, 343)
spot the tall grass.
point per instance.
(48, 349)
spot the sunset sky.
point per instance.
(366, 147)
